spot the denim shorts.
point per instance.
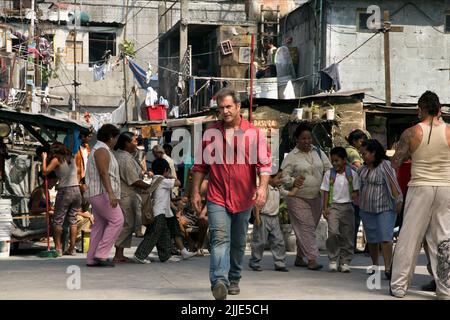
(379, 227)
(68, 203)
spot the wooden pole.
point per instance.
(184, 19)
(387, 59)
(250, 110)
(31, 72)
(124, 69)
(75, 84)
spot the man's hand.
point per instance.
(326, 213)
(298, 182)
(113, 201)
(202, 215)
(196, 201)
(44, 156)
(257, 220)
(399, 207)
(260, 196)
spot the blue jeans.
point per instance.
(228, 235)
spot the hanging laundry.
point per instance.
(191, 87)
(329, 78)
(289, 92)
(99, 72)
(119, 115)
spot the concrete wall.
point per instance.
(142, 27)
(300, 28)
(416, 53)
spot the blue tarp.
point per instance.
(139, 74)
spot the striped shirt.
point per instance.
(375, 189)
(93, 181)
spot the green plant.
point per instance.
(314, 107)
(127, 47)
(283, 213)
(46, 74)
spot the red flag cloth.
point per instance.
(404, 175)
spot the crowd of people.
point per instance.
(357, 183)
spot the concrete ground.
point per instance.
(25, 276)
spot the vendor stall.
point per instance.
(19, 169)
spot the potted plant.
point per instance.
(331, 112)
(315, 110)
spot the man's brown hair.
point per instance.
(225, 92)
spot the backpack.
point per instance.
(147, 202)
(333, 174)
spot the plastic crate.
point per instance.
(156, 112)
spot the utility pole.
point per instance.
(184, 21)
(75, 84)
(128, 118)
(252, 58)
(387, 58)
(31, 72)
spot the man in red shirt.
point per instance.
(238, 153)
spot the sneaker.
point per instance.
(332, 266)
(234, 288)
(186, 254)
(174, 259)
(142, 261)
(398, 293)
(345, 268)
(219, 291)
(281, 269)
(256, 268)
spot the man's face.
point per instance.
(228, 110)
(86, 139)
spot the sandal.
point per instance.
(123, 260)
(70, 253)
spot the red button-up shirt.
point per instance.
(232, 184)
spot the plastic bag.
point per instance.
(152, 97)
(163, 101)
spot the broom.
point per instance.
(48, 253)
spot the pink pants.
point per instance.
(106, 228)
(305, 216)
